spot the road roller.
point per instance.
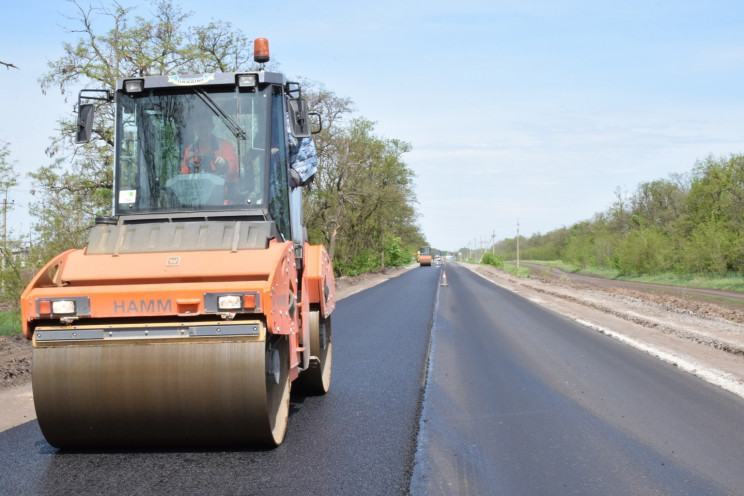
(424, 256)
(198, 302)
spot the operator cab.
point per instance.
(201, 145)
(210, 147)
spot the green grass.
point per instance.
(732, 282)
(10, 323)
(511, 268)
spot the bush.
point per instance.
(365, 262)
(491, 259)
(395, 255)
(710, 249)
(644, 251)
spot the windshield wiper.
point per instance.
(233, 126)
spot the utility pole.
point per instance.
(517, 244)
(5, 226)
(5, 234)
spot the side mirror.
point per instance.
(318, 127)
(298, 121)
(86, 113)
(84, 123)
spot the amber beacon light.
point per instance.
(261, 50)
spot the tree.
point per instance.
(690, 224)
(363, 194)
(11, 279)
(660, 202)
(8, 175)
(77, 185)
(362, 197)
(714, 222)
(325, 203)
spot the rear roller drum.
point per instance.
(317, 378)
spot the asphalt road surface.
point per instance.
(522, 401)
(360, 438)
(518, 400)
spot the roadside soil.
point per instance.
(701, 332)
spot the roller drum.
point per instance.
(317, 378)
(178, 394)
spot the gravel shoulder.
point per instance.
(686, 330)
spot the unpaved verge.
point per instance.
(703, 339)
(16, 398)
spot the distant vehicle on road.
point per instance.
(424, 256)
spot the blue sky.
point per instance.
(529, 111)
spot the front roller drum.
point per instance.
(162, 395)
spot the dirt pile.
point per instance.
(15, 361)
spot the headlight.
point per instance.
(248, 301)
(76, 306)
(63, 307)
(229, 302)
(134, 85)
(247, 80)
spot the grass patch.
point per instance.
(511, 268)
(10, 323)
(732, 282)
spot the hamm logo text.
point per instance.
(143, 306)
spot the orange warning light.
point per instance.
(261, 50)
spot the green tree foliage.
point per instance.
(491, 259)
(395, 254)
(362, 197)
(659, 203)
(362, 203)
(687, 224)
(8, 175)
(644, 250)
(711, 249)
(11, 266)
(114, 43)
